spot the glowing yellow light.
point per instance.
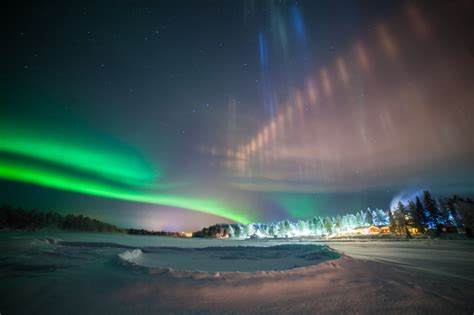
(341, 67)
(253, 146)
(265, 134)
(417, 21)
(387, 41)
(326, 82)
(289, 113)
(311, 91)
(362, 56)
(273, 131)
(299, 101)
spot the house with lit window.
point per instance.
(366, 230)
(384, 229)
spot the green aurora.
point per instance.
(300, 206)
(97, 169)
(113, 163)
(22, 172)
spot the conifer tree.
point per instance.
(328, 225)
(453, 204)
(400, 218)
(392, 224)
(420, 213)
(369, 219)
(466, 208)
(431, 206)
(416, 217)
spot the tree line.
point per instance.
(429, 216)
(426, 216)
(32, 220)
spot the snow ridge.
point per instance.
(130, 255)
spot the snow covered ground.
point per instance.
(77, 273)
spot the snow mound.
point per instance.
(130, 255)
(47, 240)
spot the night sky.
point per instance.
(174, 115)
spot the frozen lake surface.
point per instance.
(78, 273)
(231, 258)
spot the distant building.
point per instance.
(384, 229)
(413, 230)
(366, 230)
